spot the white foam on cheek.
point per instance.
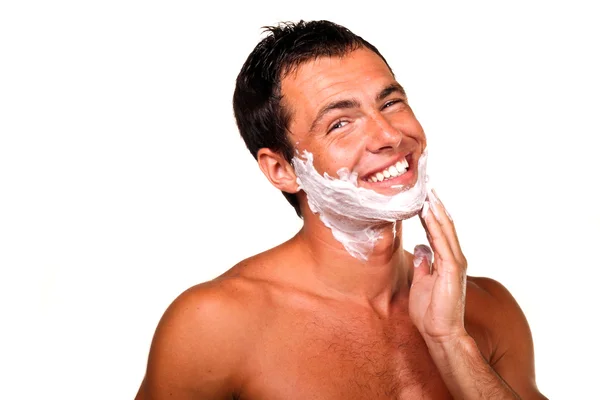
(356, 215)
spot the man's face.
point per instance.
(350, 112)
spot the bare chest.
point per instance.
(335, 359)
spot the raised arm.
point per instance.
(194, 353)
(437, 308)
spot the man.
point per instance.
(341, 311)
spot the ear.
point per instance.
(277, 170)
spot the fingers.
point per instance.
(441, 232)
(435, 234)
(446, 222)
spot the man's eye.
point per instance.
(337, 125)
(391, 103)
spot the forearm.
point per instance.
(466, 373)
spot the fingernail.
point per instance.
(436, 203)
(431, 195)
(448, 214)
(422, 251)
(436, 199)
(434, 207)
(425, 209)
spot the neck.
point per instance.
(374, 281)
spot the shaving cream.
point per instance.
(354, 214)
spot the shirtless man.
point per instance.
(308, 319)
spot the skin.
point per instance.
(305, 320)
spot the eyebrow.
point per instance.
(353, 103)
(391, 88)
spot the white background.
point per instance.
(123, 180)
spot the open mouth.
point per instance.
(390, 172)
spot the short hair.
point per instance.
(261, 118)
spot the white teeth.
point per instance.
(391, 172)
(402, 164)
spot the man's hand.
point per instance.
(437, 293)
(437, 308)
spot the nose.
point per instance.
(382, 135)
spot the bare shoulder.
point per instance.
(491, 305)
(200, 345)
(492, 299)
(489, 285)
(490, 289)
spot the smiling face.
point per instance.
(350, 112)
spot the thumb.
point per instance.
(423, 257)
